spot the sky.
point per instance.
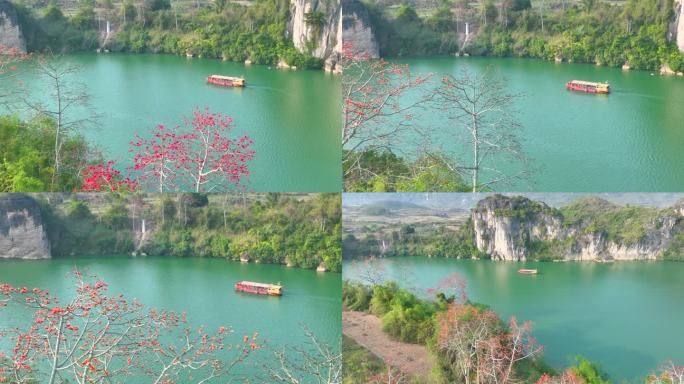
(468, 200)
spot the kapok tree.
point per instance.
(210, 158)
(374, 107)
(96, 337)
(105, 178)
(156, 158)
(202, 157)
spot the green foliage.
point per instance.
(355, 296)
(589, 372)
(301, 231)
(675, 252)
(607, 33)
(27, 155)
(231, 31)
(627, 225)
(360, 365)
(51, 30)
(383, 171)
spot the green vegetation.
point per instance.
(255, 30)
(360, 365)
(407, 241)
(626, 225)
(383, 171)
(302, 231)
(407, 318)
(608, 33)
(27, 156)
(404, 317)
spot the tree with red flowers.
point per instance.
(156, 157)
(375, 109)
(210, 158)
(101, 178)
(96, 337)
(203, 157)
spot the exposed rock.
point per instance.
(356, 28)
(10, 32)
(22, 234)
(244, 258)
(283, 65)
(507, 227)
(321, 36)
(676, 30)
(665, 70)
(626, 67)
(322, 267)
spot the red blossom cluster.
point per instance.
(200, 157)
(99, 178)
(96, 336)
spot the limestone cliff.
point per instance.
(356, 28)
(516, 228)
(679, 24)
(315, 27)
(10, 33)
(22, 234)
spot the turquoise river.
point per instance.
(204, 289)
(629, 140)
(293, 116)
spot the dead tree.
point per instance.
(65, 96)
(483, 120)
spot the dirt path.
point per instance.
(366, 330)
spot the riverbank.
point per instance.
(365, 329)
(303, 228)
(582, 309)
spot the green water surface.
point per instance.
(629, 140)
(204, 289)
(293, 116)
(626, 316)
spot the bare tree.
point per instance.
(479, 106)
(314, 362)
(66, 97)
(668, 373)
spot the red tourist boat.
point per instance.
(587, 86)
(226, 81)
(259, 288)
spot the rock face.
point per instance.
(356, 28)
(507, 228)
(22, 234)
(315, 27)
(677, 26)
(10, 33)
